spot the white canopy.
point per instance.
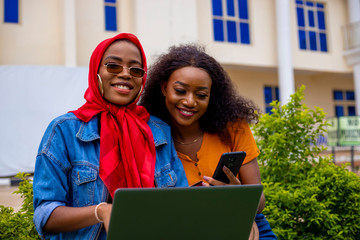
(30, 97)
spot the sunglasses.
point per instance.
(117, 68)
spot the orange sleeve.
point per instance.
(243, 140)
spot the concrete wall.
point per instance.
(318, 92)
(37, 39)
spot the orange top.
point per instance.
(212, 148)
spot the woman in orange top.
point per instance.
(190, 90)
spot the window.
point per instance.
(110, 15)
(311, 26)
(344, 103)
(11, 11)
(270, 94)
(231, 21)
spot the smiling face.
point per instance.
(121, 88)
(187, 94)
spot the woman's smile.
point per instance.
(123, 87)
(186, 113)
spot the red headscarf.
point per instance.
(127, 150)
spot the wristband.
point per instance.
(96, 208)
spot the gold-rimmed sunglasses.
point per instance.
(115, 68)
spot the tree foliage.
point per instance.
(307, 196)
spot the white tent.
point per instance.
(30, 97)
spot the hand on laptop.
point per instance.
(233, 179)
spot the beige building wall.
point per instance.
(318, 92)
(37, 39)
(250, 83)
(90, 25)
(320, 87)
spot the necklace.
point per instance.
(193, 141)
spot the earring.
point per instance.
(101, 87)
(137, 97)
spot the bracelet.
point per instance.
(96, 208)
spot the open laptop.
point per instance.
(218, 212)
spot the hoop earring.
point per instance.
(101, 87)
(137, 97)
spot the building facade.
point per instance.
(268, 47)
(315, 43)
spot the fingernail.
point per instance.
(206, 178)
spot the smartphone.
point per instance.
(197, 184)
(232, 160)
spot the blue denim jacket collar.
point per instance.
(89, 131)
(159, 135)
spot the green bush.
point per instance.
(19, 225)
(307, 196)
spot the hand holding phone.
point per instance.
(233, 161)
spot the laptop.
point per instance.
(217, 212)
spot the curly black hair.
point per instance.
(225, 104)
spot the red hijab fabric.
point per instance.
(127, 149)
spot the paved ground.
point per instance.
(8, 199)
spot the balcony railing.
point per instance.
(351, 33)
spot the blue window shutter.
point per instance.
(218, 30)
(110, 18)
(339, 111)
(268, 95)
(311, 18)
(300, 17)
(320, 5)
(312, 38)
(268, 110)
(302, 39)
(231, 31)
(11, 11)
(243, 9)
(351, 111)
(338, 95)
(244, 33)
(217, 7)
(230, 8)
(321, 20)
(350, 95)
(323, 44)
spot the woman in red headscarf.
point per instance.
(106, 144)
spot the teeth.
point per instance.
(122, 87)
(186, 112)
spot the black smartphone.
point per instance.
(232, 160)
(197, 184)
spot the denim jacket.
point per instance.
(67, 170)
